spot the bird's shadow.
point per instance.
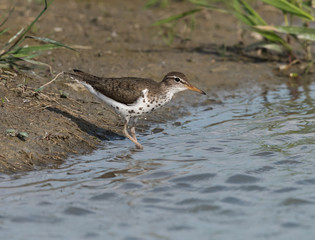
(88, 127)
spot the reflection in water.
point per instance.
(246, 162)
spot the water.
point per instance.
(242, 170)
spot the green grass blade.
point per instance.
(7, 17)
(13, 61)
(255, 17)
(206, 5)
(151, 3)
(288, 7)
(37, 63)
(300, 32)
(26, 51)
(3, 31)
(242, 18)
(21, 37)
(295, 30)
(270, 36)
(239, 14)
(50, 41)
(246, 14)
(176, 17)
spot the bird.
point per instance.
(132, 97)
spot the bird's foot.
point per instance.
(139, 146)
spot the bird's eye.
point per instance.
(177, 79)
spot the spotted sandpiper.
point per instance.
(132, 97)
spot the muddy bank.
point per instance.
(113, 39)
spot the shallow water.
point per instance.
(244, 169)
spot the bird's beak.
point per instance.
(193, 88)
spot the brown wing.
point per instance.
(124, 90)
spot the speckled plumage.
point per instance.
(124, 90)
(131, 96)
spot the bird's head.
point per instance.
(177, 82)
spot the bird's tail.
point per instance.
(80, 75)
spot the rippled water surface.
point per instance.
(244, 169)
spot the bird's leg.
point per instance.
(134, 140)
(133, 129)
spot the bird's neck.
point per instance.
(167, 92)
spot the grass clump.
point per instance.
(274, 38)
(16, 55)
